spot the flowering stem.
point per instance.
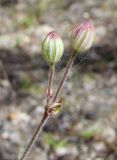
(50, 81)
(35, 136)
(69, 64)
(48, 112)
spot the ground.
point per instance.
(85, 128)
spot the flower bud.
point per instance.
(52, 48)
(83, 36)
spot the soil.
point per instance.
(85, 128)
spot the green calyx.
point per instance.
(52, 48)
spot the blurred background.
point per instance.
(86, 127)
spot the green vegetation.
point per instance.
(31, 87)
(88, 134)
(28, 21)
(50, 140)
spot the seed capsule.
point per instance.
(52, 48)
(83, 36)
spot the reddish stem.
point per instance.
(69, 64)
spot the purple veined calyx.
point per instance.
(83, 36)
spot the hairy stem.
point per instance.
(69, 64)
(50, 81)
(46, 115)
(44, 119)
(35, 136)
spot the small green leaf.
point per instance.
(88, 134)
